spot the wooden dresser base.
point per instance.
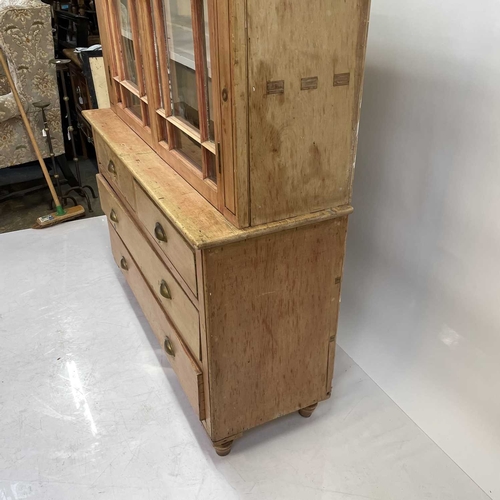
(247, 318)
(224, 447)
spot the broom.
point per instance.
(60, 215)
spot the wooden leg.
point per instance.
(307, 412)
(223, 449)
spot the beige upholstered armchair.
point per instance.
(26, 40)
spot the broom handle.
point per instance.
(29, 130)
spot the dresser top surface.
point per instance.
(201, 224)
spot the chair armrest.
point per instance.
(8, 107)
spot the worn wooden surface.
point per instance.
(302, 141)
(114, 170)
(287, 83)
(179, 308)
(192, 294)
(188, 373)
(175, 248)
(207, 423)
(201, 224)
(239, 75)
(270, 305)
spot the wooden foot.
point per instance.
(307, 412)
(223, 449)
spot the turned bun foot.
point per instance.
(307, 412)
(223, 449)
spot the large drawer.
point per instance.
(116, 173)
(188, 373)
(171, 243)
(175, 302)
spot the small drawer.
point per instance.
(171, 243)
(172, 297)
(186, 369)
(114, 170)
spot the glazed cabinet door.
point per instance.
(169, 70)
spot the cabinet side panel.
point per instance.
(306, 62)
(271, 307)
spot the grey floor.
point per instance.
(21, 212)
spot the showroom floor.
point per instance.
(90, 408)
(21, 212)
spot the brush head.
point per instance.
(53, 218)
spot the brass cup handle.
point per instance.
(111, 167)
(169, 348)
(164, 290)
(113, 216)
(160, 232)
(124, 264)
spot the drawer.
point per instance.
(187, 371)
(114, 170)
(169, 240)
(175, 302)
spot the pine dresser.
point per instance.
(225, 171)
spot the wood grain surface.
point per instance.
(201, 224)
(179, 308)
(271, 307)
(188, 373)
(301, 141)
(175, 247)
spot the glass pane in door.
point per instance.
(189, 148)
(179, 28)
(133, 103)
(129, 61)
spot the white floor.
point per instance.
(90, 409)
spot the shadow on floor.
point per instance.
(22, 212)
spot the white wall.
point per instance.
(421, 297)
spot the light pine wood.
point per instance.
(114, 170)
(175, 247)
(237, 32)
(302, 141)
(161, 40)
(185, 127)
(152, 240)
(226, 107)
(134, 123)
(179, 308)
(210, 146)
(188, 373)
(207, 423)
(200, 223)
(269, 304)
(148, 53)
(287, 86)
(200, 65)
(213, 28)
(131, 87)
(253, 262)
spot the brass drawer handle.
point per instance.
(160, 232)
(164, 290)
(111, 167)
(123, 264)
(169, 348)
(113, 216)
